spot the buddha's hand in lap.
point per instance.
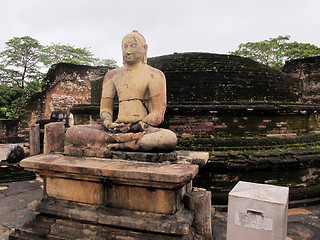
(115, 127)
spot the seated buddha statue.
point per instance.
(141, 93)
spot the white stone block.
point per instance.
(257, 211)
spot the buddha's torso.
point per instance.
(132, 91)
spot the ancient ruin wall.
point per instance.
(65, 85)
(307, 70)
(70, 85)
(8, 130)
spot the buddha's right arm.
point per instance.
(106, 110)
(107, 97)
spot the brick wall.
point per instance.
(205, 77)
(65, 85)
(308, 71)
(8, 130)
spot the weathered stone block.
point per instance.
(143, 199)
(199, 200)
(74, 190)
(34, 140)
(53, 137)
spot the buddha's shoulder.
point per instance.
(114, 72)
(154, 71)
(117, 70)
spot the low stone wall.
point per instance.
(298, 169)
(9, 130)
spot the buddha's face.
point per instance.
(133, 50)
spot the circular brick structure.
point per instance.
(249, 117)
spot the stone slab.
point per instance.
(178, 224)
(34, 139)
(13, 188)
(53, 137)
(48, 227)
(165, 175)
(13, 207)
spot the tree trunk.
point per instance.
(23, 77)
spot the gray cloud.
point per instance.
(169, 26)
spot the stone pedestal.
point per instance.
(103, 198)
(257, 211)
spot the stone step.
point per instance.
(177, 224)
(64, 229)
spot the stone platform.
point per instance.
(303, 222)
(97, 198)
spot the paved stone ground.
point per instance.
(14, 198)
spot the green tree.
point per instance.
(10, 101)
(20, 61)
(25, 59)
(275, 51)
(56, 53)
(105, 62)
(22, 66)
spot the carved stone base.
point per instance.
(102, 198)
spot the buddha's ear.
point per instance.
(145, 55)
(145, 58)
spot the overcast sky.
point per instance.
(169, 26)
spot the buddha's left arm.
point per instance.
(158, 99)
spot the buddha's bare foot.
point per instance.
(127, 146)
(116, 147)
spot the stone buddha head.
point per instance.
(134, 48)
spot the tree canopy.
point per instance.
(275, 51)
(23, 64)
(56, 53)
(20, 60)
(25, 60)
